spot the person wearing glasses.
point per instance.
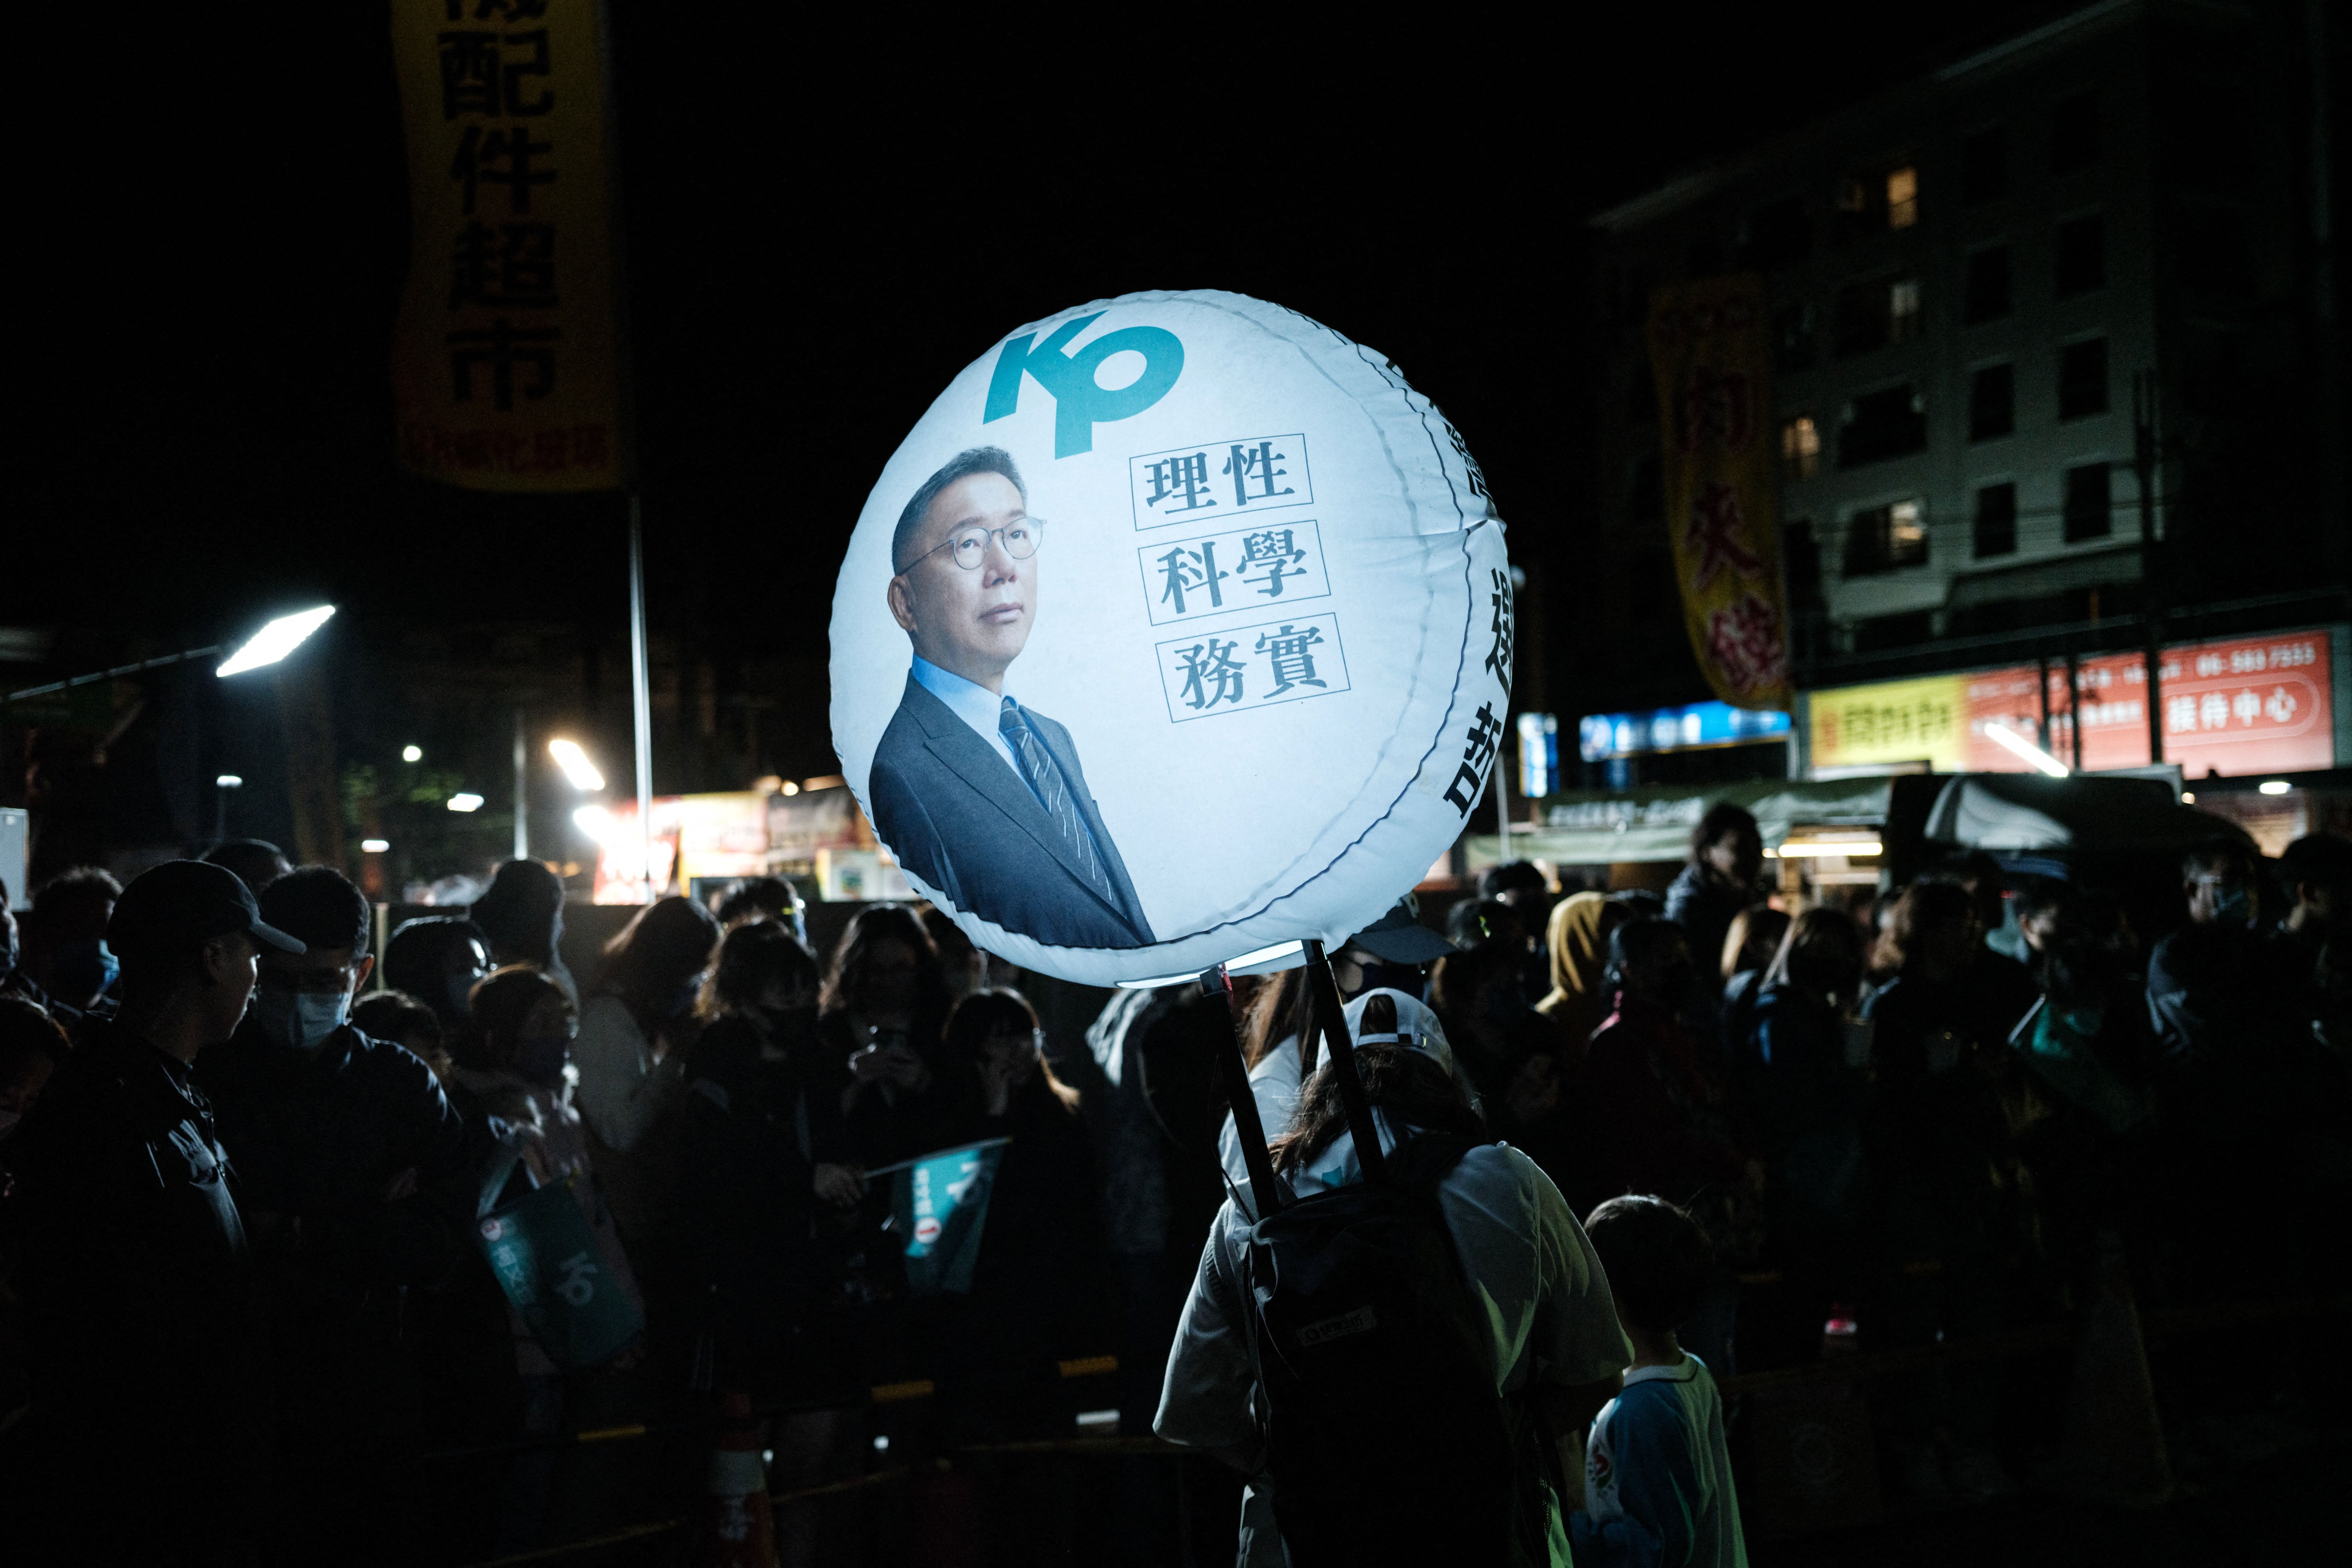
(978, 796)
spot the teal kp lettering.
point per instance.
(1081, 402)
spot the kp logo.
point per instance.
(1079, 402)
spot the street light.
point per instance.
(465, 801)
(374, 846)
(412, 753)
(275, 640)
(581, 773)
(2011, 740)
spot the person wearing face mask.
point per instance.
(631, 1053)
(2208, 990)
(16, 980)
(769, 1190)
(352, 1171)
(514, 1064)
(137, 1270)
(70, 956)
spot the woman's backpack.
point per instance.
(1386, 1439)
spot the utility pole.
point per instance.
(641, 703)
(521, 791)
(2144, 463)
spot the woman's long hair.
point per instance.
(999, 1010)
(501, 1001)
(753, 959)
(1409, 1084)
(872, 926)
(1278, 1011)
(668, 943)
(1821, 953)
(1925, 910)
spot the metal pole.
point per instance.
(2075, 705)
(641, 695)
(2144, 458)
(2043, 662)
(1331, 1022)
(1501, 810)
(113, 674)
(522, 794)
(1248, 1127)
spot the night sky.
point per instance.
(822, 228)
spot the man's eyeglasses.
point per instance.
(970, 545)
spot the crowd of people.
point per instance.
(248, 1178)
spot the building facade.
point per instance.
(1973, 279)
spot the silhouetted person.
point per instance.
(521, 916)
(138, 1273)
(257, 862)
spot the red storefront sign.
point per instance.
(2257, 705)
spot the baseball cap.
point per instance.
(184, 904)
(1399, 938)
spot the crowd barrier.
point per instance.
(1861, 1366)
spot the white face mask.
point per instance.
(302, 1020)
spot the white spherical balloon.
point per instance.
(1178, 628)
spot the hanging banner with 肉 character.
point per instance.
(1708, 353)
(507, 365)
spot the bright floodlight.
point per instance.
(465, 800)
(374, 846)
(275, 640)
(2274, 787)
(593, 821)
(412, 753)
(2011, 740)
(576, 767)
(228, 781)
(1853, 848)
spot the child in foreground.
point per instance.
(1657, 1480)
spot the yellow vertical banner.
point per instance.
(505, 366)
(1710, 353)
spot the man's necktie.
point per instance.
(1046, 779)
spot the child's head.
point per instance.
(1657, 1257)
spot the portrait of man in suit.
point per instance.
(979, 797)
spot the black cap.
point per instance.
(185, 903)
(1399, 938)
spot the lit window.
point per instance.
(1800, 447)
(1906, 533)
(1903, 314)
(1902, 198)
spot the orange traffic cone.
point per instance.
(737, 1531)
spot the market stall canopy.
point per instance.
(2011, 811)
(1603, 828)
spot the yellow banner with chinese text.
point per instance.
(505, 366)
(1891, 722)
(1710, 353)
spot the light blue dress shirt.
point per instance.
(974, 703)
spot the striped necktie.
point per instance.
(1037, 766)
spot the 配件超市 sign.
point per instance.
(1180, 627)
